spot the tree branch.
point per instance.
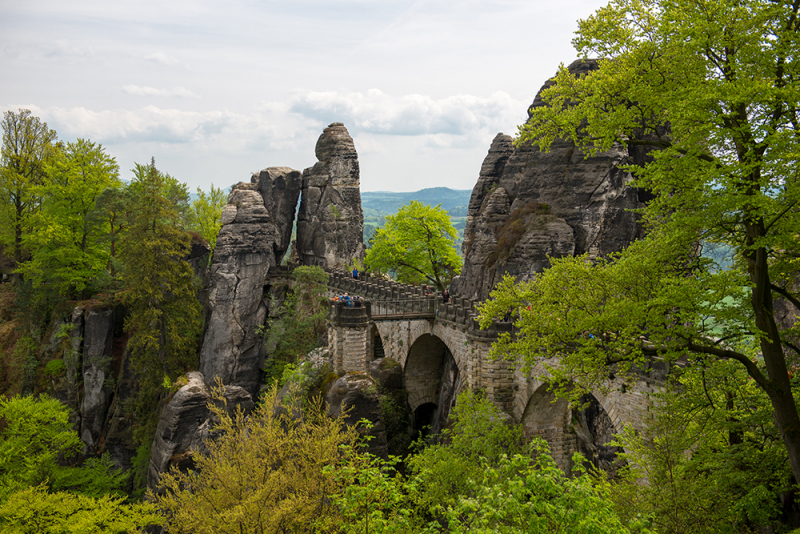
(785, 294)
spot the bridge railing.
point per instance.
(423, 308)
(382, 293)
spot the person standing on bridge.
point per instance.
(446, 296)
(355, 273)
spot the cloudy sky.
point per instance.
(216, 90)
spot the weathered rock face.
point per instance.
(280, 189)
(97, 375)
(330, 223)
(358, 393)
(528, 204)
(244, 253)
(185, 425)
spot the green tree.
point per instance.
(516, 495)
(725, 77)
(205, 214)
(263, 474)
(709, 460)
(443, 471)
(417, 244)
(65, 239)
(164, 318)
(35, 435)
(34, 510)
(27, 146)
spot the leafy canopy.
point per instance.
(66, 237)
(28, 144)
(263, 474)
(205, 214)
(713, 86)
(417, 244)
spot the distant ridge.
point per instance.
(386, 202)
(377, 203)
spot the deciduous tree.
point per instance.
(264, 473)
(205, 214)
(417, 244)
(66, 236)
(725, 77)
(27, 146)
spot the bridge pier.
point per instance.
(348, 336)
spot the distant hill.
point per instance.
(382, 203)
(455, 201)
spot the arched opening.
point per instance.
(431, 376)
(423, 419)
(586, 429)
(377, 343)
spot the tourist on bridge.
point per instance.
(446, 296)
(355, 273)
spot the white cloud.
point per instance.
(161, 57)
(148, 124)
(137, 90)
(380, 113)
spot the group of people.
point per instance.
(351, 301)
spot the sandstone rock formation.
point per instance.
(529, 204)
(357, 394)
(243, 256)
(97, 374)
(280, 189)
(330, 223)
(186, 423)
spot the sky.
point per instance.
(215, 91)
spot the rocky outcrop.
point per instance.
(357, 395)
(280, 189)
(97, 375)
(236, 309)
(330, 223)
(528, 205)
(186, 424)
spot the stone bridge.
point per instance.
(442, 350)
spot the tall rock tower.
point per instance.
(330, 223)
(528, 205)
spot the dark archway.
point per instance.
(431, 376)
(586, 429)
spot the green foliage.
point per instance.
(725, 77)
(164, 320)
(34, 510)
(300, 327)
(97, 477)
(713, 460)
(416, 244)
(27, 147)
(55, 368)
(34, 434)
(373, 498)
(37, 434)
(67, 252)
(443, 471)
(265, 472)
(517, 495)
(205, 214)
